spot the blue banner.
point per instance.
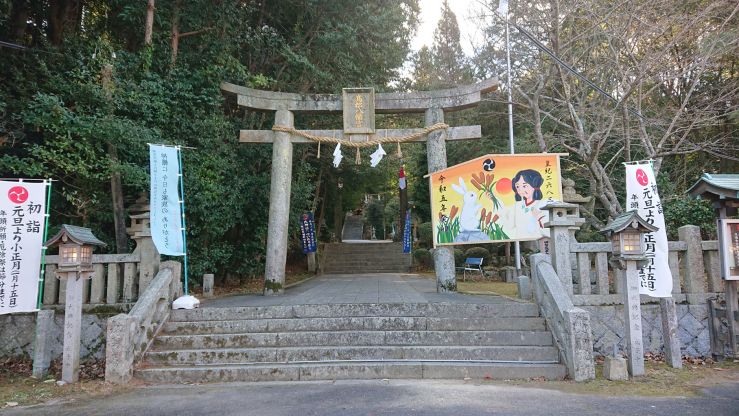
(166, 213)
(407, 233)
(308, 233)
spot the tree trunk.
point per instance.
(321, 217)
(18, 20)
(149, 25)
(119, 213)
(63, 14)
(318, 190)
(175, 32)
(116, 188)
(338, 215)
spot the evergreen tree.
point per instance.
(449, 60)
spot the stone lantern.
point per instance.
(75, 264)
(563, 217)
(625, 233)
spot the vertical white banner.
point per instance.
(166, 213)
(22, 222)
(642, 196)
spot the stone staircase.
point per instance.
(370, 257)
(505, 340)
(353, 227)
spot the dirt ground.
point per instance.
(17, 388)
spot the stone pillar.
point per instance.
(149, 266)
(312, 262)
(140, 232)
(446, 280)
(560, 222)
(72, 329)
(669, 332)
(208, 285)
(524, 287)
(731, 310)
(632, 320)
(41, 348)
(279, 206)
(119, 349)
(693, 266)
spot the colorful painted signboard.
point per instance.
(308, 233)
(494, 198)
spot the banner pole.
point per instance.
(42, 274)
(182, 206)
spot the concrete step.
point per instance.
(332, 353)
(351, 370)
(353, 338)
(374, 323)
(433, 310)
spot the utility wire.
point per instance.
(16, 46)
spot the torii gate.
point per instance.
(358, 127)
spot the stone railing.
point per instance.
(570, 325)
(117, 279)
(129, 335)
(694, 265)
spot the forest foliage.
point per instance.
(83, 90)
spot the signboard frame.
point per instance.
(729, 248)
(436, 209)
(359, 110)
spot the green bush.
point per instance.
(425, 235)
(684, 211)
(458, 257)
(478, 252)
(422, 258)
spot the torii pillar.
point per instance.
(279, 206)
(432, 103)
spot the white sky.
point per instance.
(430, 14)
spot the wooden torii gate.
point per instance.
(358, 127)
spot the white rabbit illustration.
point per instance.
(468, 219)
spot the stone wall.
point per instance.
(18, 332)
(607, 323)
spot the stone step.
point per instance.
(333, 353)
(351, 370)
(368, 266)
(387, 258)
(437, 310)
(371, 263)
(388, 323)
(353, 338)
(370, 250)
(363, 270)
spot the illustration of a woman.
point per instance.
(526, 215)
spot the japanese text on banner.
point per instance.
(22, 221)
(642, 196)
(166, 212)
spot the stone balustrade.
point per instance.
(129, 335)
(115, 280)
(694, 265)
(569, 324)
